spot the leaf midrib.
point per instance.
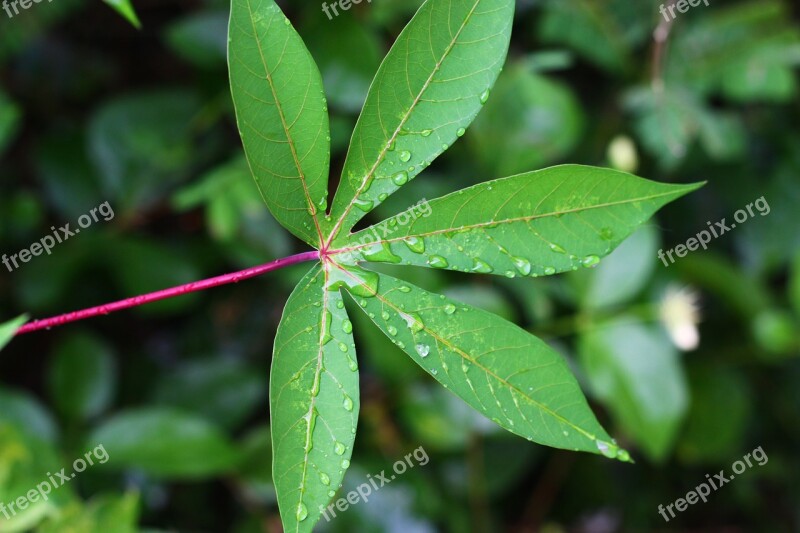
(338, 226)
(279, 106)
(493, 222)
(475, 362)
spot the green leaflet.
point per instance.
(532, 224)
(498, 368)
(125, 8)
(314, 400)
(282, 115)
(429, 88)
(9, 329)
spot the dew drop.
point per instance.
(383, 196)
(392, 330)
(391, 145)
(302, 511)
(437, 261)
(383, 254)
(449, 309)
(426, 133)
(404, 288)
(340, 304)
(522, 264)
(606, 234)
(364, 205)
(345, 463)
(347, 403)
(347, 326)
(423, 350)
(415, 244)
(385, 315)
(324, 478)
(413, 321)
(510, 274)
(557, 249)
(352, 364)
(549, 271)
(331, 493)
(607, 449)
(405, 156)
(401, 178)
(286, 21)
(339, 448)
(481, 267)
(434, 371)
(342, 347)
(484, 96)
(590, 261)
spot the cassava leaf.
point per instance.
(428, 90)
(125, 8)
(314, 400)
(282, 115)
(9, 329)
(532, 224)
(498, 368)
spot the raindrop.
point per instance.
(437, 261)
(434, 371)
(607, 449)
(383, 196)
(426, 133)
(345, 463)
(423, 350)
(484, 96)
(481, 267)
(557, 249)
(339, 448)
(449, 309)
(590, 261)
(549, 271)
(302, 511)
(342, 347)
(364, 205)
(405, 156)
(348, 403)
(385, 315)
(404, 288)
(347, 326)
(414, 322)
(401, 178)
(415, 244)
(383, 254)
(392, 330)
(324, 478)
(510, 274)
(522, 264)
(461, 132)
(286, 21)
(331, 493)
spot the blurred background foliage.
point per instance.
(690, 366)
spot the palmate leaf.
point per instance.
(532, 224)
(427, 91)
(282, 115)
(429, 88)
(314, 400)
(498, 368)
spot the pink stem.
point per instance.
(167, 293)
